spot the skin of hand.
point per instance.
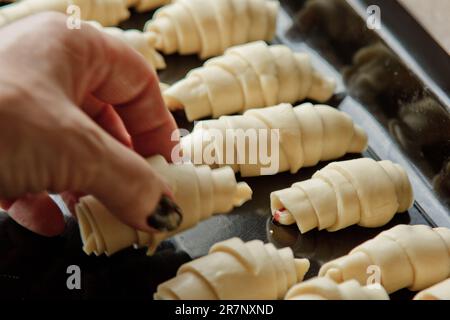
(79, 111)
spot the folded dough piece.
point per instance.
(414, 257)
(147, 5)
(248, 76)
(361, 191)
(327, 289)
(234, 270)
(210, 27)
(199, 191)
(293, 138)
(141, 42)
(440, 291)
(106, 12)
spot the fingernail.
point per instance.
(166, 217)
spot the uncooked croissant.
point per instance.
(234, 270)
(141, 42)
(248, 76)
(199, 191)
(106, 12)
(414, 257)
(327, 289)
(440, 291)
(147, 5)
(361, 191)
(210, 27)
(306, 135)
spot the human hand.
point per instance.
(73, 105)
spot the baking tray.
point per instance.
(401, 99)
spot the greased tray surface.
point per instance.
(405, 121)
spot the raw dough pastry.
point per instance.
(248, 76)
(210, 27)
(327, 289)
(440, 291)
(414, 257)
(147, 5)
(306, 135)
(199, 191)
(361, 191)
(106, 12)
(141, 42)
(234, 270)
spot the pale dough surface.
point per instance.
(361, 191)
(408, 256)
(327, 289)
(199, 191)
(236, 270)
(440, 291)
(106, 12)
(253, 75)
(306, 135)
(208, 28)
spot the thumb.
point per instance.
(116, 175)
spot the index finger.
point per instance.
(121, 77)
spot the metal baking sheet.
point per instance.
(404, 111)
